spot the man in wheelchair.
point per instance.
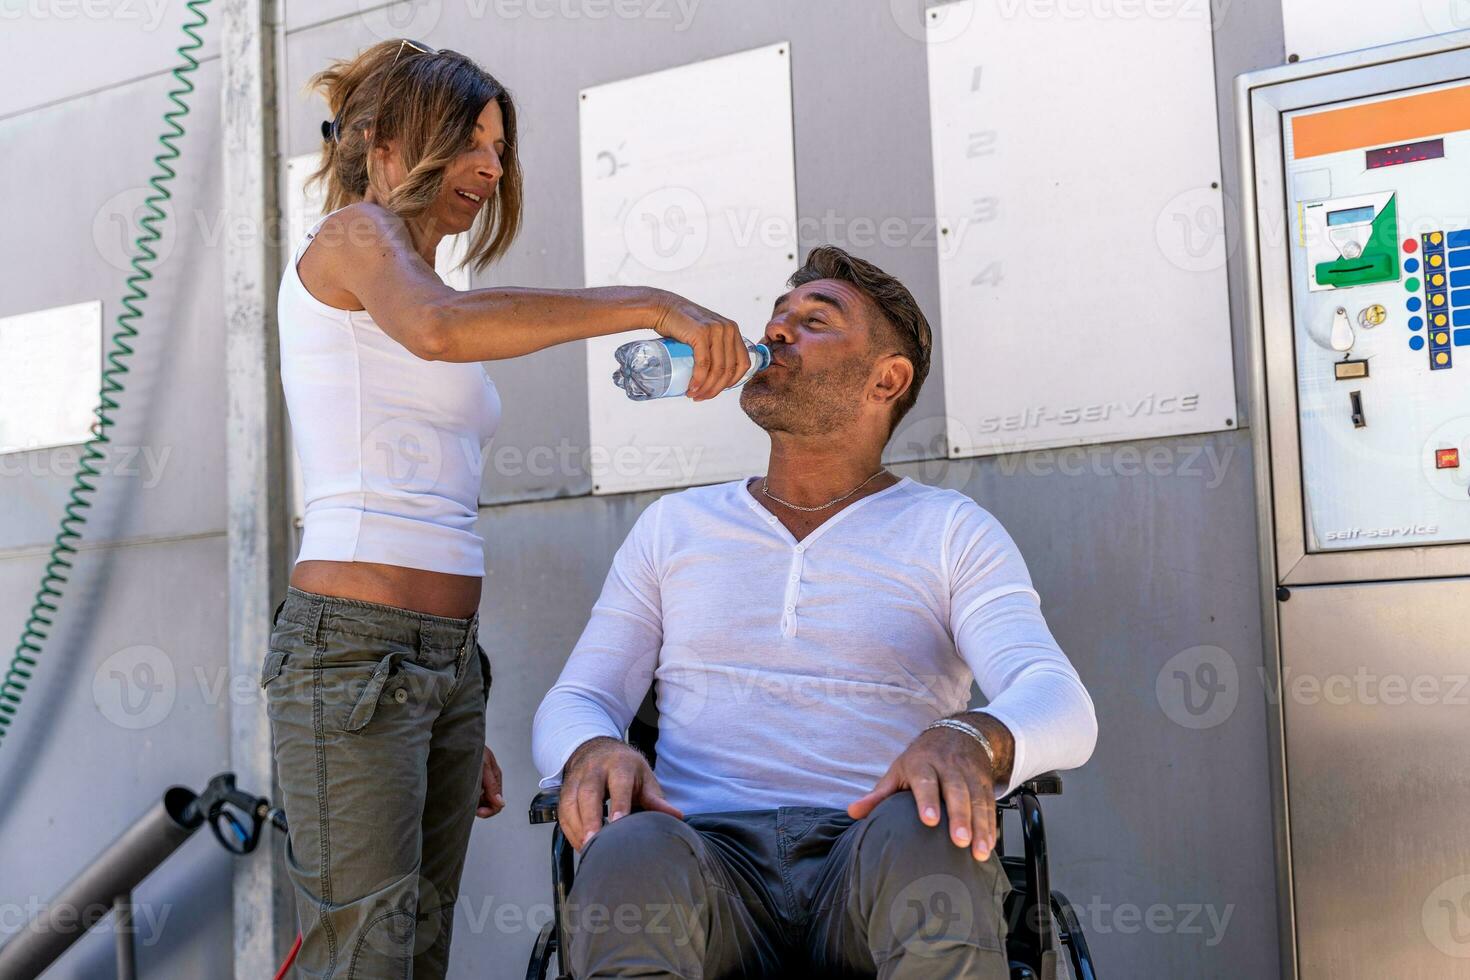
(822, 803)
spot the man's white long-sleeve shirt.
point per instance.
(794, 672)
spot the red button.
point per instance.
(1446, 459)
(1411, 244)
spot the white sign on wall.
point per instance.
(688, 184)
(53, 374)
(1316, 28)
(1082, 260)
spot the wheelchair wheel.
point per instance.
(542, 952)
(1069, 935)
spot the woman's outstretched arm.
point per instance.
(372, 256)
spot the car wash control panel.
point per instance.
(1378, 198)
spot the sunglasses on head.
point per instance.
(417, 46)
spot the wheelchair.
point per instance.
(1039, 918)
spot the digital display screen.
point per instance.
(1388, 156)
(1350, 216)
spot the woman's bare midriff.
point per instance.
(435, 593)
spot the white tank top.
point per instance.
(390, 445)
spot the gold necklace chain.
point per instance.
(766, 489)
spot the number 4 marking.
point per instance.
(988, 276)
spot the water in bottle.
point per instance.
(661, 368)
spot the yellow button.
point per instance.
(1441, 338)
(1436, 260)
(1441, 358)
(1438, 299)
(1435, 238)
(1437, 279)
(1439, 319)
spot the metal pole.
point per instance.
(108, 880)
(254, 461)
(122, 921)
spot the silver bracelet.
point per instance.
(970, 730)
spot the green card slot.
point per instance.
(1382, 268)
(1380, 259)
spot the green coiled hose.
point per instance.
(36, 628)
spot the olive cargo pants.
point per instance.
(378, 723)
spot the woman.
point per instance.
(375, 682)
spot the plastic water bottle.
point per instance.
(661, 368)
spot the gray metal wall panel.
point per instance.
(98, 44)
(68, 241)
(132, 696)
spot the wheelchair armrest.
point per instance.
(543, 807)
(1046, 784)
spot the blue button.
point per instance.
(1462, 338)
(1460, 318)
(1416, 343)
(1460, 297)
(1416, 323)
(1459, 258)
(1411, 265)
(1414, 304)
(1458, 239)
(1460, 277)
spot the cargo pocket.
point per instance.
(367, 702)
(485, 676)
(271, 669)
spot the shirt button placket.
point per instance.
(793, 591)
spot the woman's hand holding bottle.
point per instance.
(720, 357)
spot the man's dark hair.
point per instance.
(903, 320)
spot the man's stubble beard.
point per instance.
(806, 403)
